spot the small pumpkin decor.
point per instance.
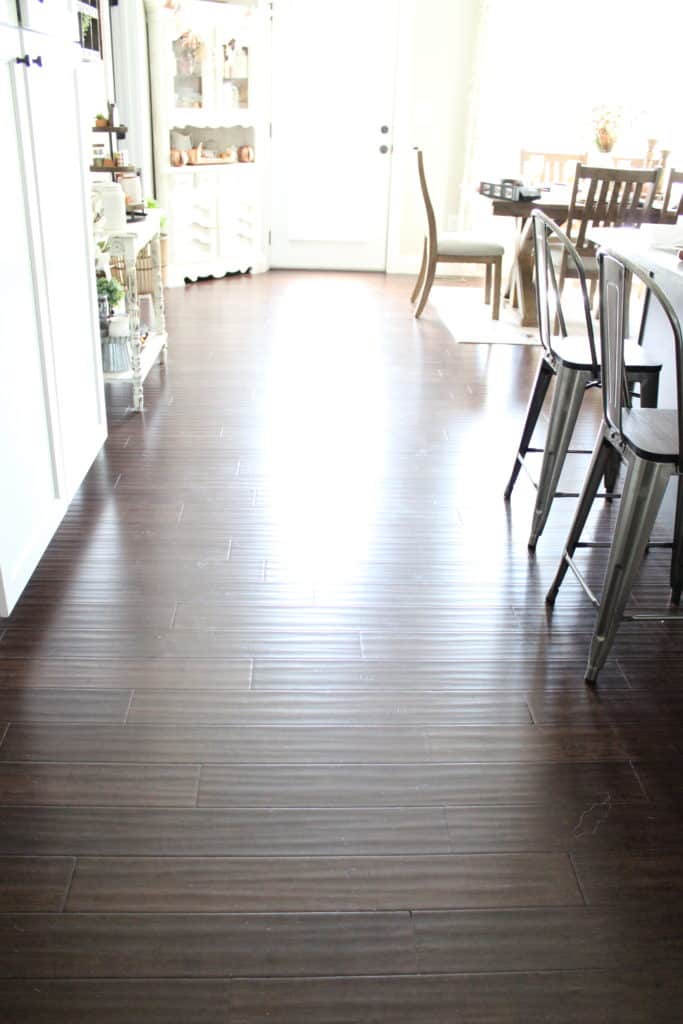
(245, 154)
(195, 154)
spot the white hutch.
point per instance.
(210, 133)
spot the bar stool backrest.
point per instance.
(548, 296)
(614, 273)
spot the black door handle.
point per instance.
(38, 61)
(24, 60)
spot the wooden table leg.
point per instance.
(524, 277)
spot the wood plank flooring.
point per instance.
(286, 731)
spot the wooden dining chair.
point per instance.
(539, 168)
(451, 248)
(649, 442)
(604, 197)
(672, 207)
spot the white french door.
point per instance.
(334, 72)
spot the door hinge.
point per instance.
(270, 129)
(270, 236)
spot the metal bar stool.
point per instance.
(575, 363)
(649, 442)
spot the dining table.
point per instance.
(554, 202)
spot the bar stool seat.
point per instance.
(575, 353)
(651, 433)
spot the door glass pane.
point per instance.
(189, 52)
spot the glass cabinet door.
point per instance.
(233, 58)
(190, 54)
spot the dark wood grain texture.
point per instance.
(323, 883)
(287, 732)
(98, 784)
(204, 945)
(30, 884)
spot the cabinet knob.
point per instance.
(24, 60)
(38, 61)
(384, 129)
(384, 149)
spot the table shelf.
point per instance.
(126, 245)
(149, 353)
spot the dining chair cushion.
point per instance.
(456, 245)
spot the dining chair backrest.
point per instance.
(429, 209)
(548, 295)
(672, 207)
(608, 197)
(540, 168)
(615, 272)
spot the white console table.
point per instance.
(126, 245)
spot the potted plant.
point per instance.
(101, 121)
(113, 329)
(109, 294)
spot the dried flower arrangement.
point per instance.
(188, 50)
(606, 124)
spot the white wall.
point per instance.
(131, 72)
(97, 74)
(436, 53)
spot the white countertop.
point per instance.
(639, 246)
(642, 246)
(140, 230)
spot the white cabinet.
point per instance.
(211, 134)
(52, 417)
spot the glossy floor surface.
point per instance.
(287, 732)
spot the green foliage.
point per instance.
(110, 287)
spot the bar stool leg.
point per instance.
(569, 391)
(677, 552)
(612, 467)
(649, 390)
(544, 374)
(641, 497)
(601, 453)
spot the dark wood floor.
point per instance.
(287, 733)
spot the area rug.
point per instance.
(463, 312)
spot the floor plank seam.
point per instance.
(69, 882)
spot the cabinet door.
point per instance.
(32, 503)
(65, 220)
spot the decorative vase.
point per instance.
(604, 140)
